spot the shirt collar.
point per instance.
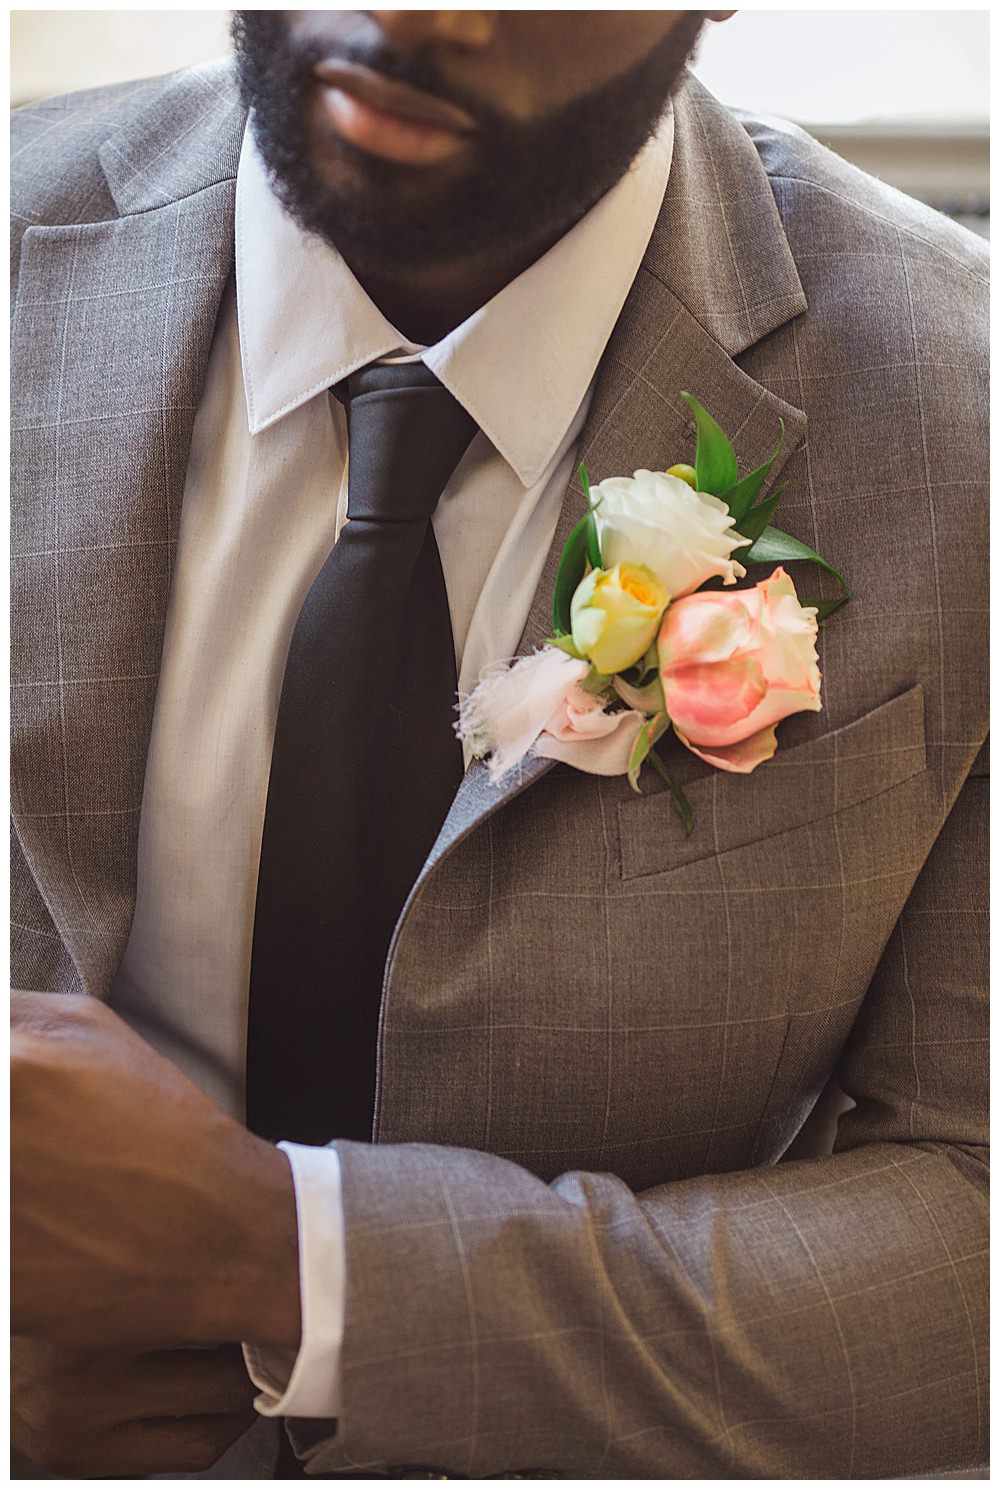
(520, 365)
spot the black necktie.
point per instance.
(364, 768)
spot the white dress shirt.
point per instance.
(265, 497)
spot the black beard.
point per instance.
(529, 181)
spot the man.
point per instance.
(569, 1251)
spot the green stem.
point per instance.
(681, 802)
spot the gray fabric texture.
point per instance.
(571, 1249)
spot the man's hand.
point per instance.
(130, 1414)
(142, 1214)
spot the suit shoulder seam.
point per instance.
(881, 217)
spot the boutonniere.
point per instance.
(645, 639)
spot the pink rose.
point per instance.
(583, 733)
(733, 665)
(538, 706)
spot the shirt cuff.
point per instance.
(306, 1383)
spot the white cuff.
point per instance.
(306, 1384)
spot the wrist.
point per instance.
(251, 1290)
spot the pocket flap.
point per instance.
(822, 776)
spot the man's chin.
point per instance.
(374, 234)
(380, 189)
(381, 213)
(384, 218)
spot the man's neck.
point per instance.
(425, 304)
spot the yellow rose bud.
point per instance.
(615, 614)
(686, 473)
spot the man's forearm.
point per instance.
(825, 1318)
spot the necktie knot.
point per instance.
(406, 435)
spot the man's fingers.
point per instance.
(192, 1382)
(143, 1447)
(84, 1413)
(162, 1445)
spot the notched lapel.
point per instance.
(179, 142)
(638, 420)
(717, 276)
(111, 335)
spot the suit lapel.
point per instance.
(112, 329)
(718, 275)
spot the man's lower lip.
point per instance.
(388, 135)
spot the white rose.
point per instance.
(654, 519)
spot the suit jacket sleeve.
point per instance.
(822, 1318)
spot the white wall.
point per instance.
(814, 66)
(852, 67)
(56, 51)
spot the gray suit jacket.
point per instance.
(570, 1248)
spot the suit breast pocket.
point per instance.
(826, 776)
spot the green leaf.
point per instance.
(572, 567)
(826, 608)
(715, 460)
(644, 742)
(681, 802)
(599, 683)
(757, 519)
(741, 497)
(581, 547)
(649, 662)
(565, 644)
(647, 698)
(593, 542)
(585, 483)
(660, 725)
(775, 547)
(593, 537)
(640, 750)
